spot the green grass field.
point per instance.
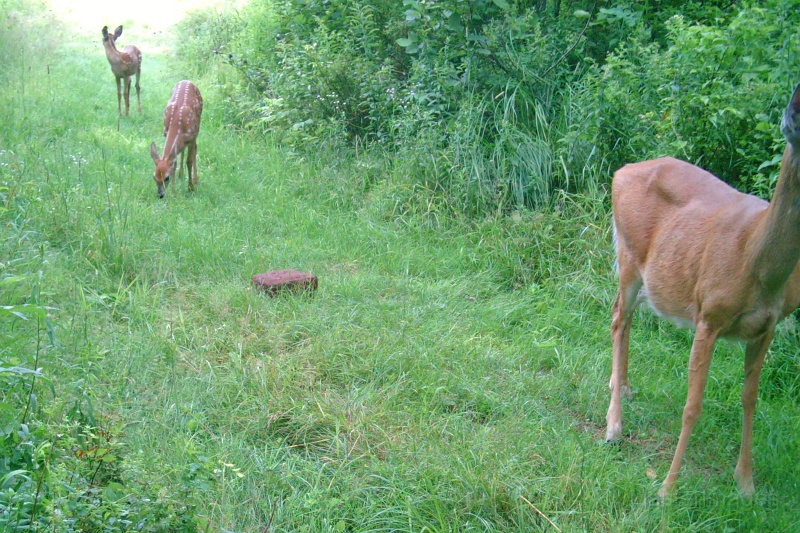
(448, 375)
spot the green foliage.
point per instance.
(63, 466)
(708, 97)
(378, 73)
(521, 97)
(207, 34)
(449, 374)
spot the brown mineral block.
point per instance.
(290, 280)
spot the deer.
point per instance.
(123, 65)
(708, 257)
(181, 126)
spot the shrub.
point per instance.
(522, 97)
(709, 96)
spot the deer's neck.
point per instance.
(111, 51)
(172, 144)
(776, 240)
(176, 126)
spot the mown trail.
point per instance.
(415, 391)
(312, 402)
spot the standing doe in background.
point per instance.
(124, 65)
(709, 257)
(181, 126)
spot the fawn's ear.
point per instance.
(117, 32)
(104, 31)
(153, 151)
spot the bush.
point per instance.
(708, 97)
(523, 99)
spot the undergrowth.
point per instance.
(449, 374)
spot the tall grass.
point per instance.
(449, 374)
(518, 165)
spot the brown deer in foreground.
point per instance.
(181, 126)
(709, 257)
(124, 65)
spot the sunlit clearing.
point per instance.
(87, 17)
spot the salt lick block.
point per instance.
(285, 280)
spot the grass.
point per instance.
(448, 375)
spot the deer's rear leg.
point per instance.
(621, 316)
(138, 96)
(191, 165)
(127, 95)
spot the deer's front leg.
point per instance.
(119, 96)
(699, 363)
(754, 359)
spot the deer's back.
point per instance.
(183, 112)
(669, 202)
(135, 56)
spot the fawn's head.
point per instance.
(107, 37)
(165, 169)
